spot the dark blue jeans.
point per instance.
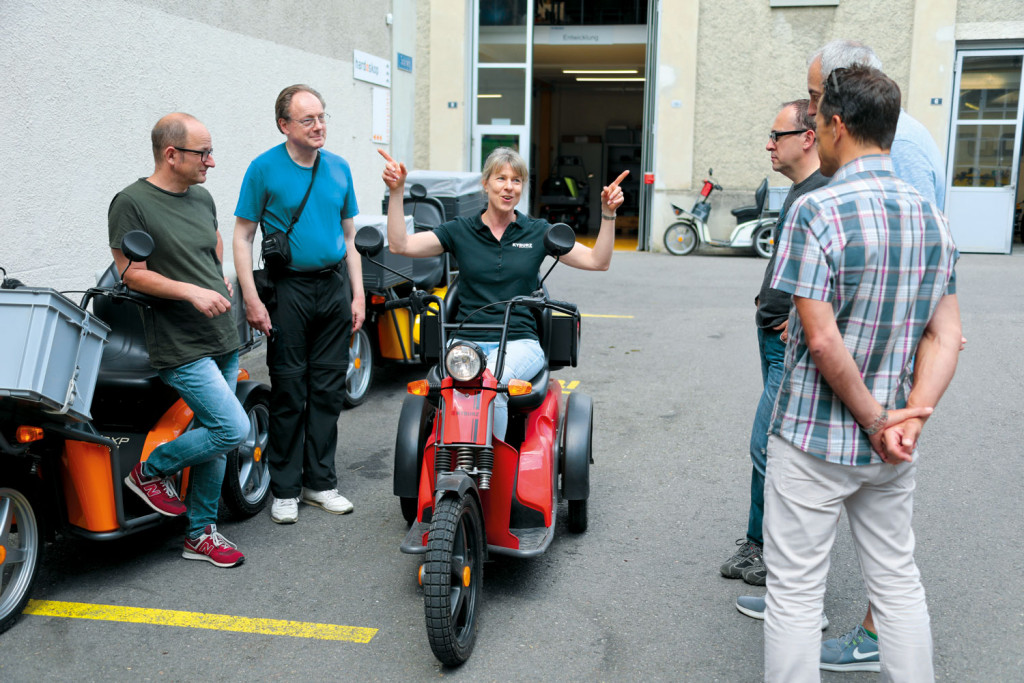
(773, 354)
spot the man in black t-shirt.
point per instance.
(791, 144)
(191, 337)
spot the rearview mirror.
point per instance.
(137, 245)
(559, 240)
(369, 241)
(417, 191)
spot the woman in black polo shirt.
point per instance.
(499, 254)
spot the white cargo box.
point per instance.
(50, 350)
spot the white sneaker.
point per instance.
(332, 501)
(285, 510)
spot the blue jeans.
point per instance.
(208, 388)
(524, 358)
(773, 354)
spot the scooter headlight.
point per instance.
(465, 361)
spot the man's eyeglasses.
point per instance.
(776, 134)
(309, 121)
(204, 154)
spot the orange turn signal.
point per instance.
(518, 387)
(377, 299)
(420, 387)
(243, 374)
(26, 434)
(419, 575)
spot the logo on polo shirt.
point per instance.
(523, 245)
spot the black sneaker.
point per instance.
(735, 565)
(755, 573)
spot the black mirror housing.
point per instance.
(137, 245)
(369, 241)
(559, 240)
(417, 191)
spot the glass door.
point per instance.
(503, 64)
(985, 149)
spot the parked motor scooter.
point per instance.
(467, 494)
(80, 405)
(753, 229)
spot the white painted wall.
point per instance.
(85, 82)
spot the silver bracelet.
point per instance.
(877, 425)
(607, 217)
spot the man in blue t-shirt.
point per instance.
(319, 299)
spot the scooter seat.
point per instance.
(746, 213)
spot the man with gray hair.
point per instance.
(915, 156)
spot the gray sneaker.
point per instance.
(755, 573)
(753, 607)
(854, 651)
(735, 565)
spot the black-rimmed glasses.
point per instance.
(204, 154)
(776, 134)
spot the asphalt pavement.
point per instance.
(669, 357)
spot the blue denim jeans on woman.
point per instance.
(208, 388)
(773, 356)
(524, 358)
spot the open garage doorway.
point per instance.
(589, 74)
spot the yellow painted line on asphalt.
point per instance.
(600, 315)
(567, 387)
(215, 622)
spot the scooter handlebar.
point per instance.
(397, 303)
(565, 306)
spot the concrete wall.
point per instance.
(86, 81)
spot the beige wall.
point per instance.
(445, 79)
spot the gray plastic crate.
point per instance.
(50, 350)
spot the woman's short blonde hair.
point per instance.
(505, 156)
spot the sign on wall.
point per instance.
(366, 67)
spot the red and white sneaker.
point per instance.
(156, 492)
(214, 548)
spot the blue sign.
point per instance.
(404, 62)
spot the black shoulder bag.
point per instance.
(277, 250)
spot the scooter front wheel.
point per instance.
(681, 238)
(452, 577)
(21, 549)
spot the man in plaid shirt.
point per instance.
(873, 345)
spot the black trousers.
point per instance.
(307, 357)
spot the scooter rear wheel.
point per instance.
(763, 246)
(21, 549)
(453, 577)
(681, 238)
(359, 377)
(247, 475)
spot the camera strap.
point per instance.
(302, 205)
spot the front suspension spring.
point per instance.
(442, 460)
(465, 459)
(485, 465)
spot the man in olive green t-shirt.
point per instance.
(191, 337)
